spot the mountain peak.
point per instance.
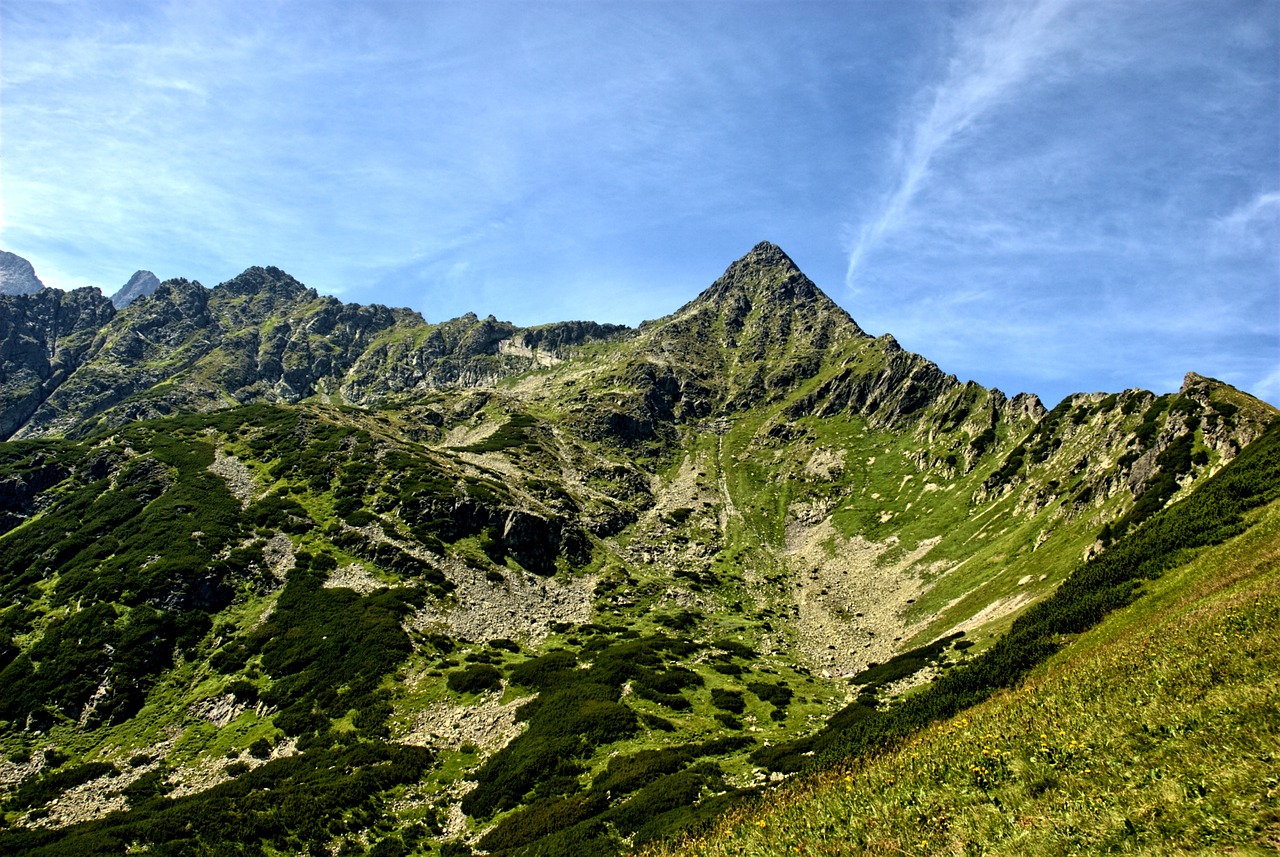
(766, 280)
(766, 271)
(17, 277)
(141, 284)
(768, 253)
(266, 281)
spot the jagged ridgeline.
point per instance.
(554, 590)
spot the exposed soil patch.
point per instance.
(96, 798)
(849, 599)
(279, 555)
(236, 474)
(354, 577)
(489, 725)
(995, 610)
(220, 710)
(12, 773)
(520, 607)
(211, 772)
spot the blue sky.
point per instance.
(1040, 195)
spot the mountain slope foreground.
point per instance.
(1154, 732)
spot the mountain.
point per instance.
(561, 589)
(263, 336)
(141, 284)
(44, 338)
(1135, 718)
(17, 277)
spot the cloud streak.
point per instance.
(997, 53)
(1251, 227)
(1046, 190)
(1088, 190)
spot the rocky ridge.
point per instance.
(141, 284)
(261, 336)
(17, 276)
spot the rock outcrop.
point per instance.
(141, 284)
(44, 338)
(17, 277)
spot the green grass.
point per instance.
(332, 473)
(1156, 732)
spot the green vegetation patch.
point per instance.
(1213, 513)
(327, 650)
(511, 434)
(576, 712)
(904, 664)
(1153, 733)
(476, 678)
(137, 548)
(654, 791)
(296, 804)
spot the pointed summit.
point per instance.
(17, 277)
(767, 254)
(754, 334)
(141, 284)
(269, 282)
(765, 283)
(765, 273)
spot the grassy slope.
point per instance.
(763, 476)
(1156, 732)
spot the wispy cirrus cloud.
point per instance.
(998, 53)
(1084, 190)
(1251, 227)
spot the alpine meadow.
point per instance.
(288, 575)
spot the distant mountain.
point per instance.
(141, 284)
(556, 590)
(263, 336)
(17, 277)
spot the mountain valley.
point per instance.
(470, 587)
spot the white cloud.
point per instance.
(998, 52)
(1267, 388)
(1253, 226)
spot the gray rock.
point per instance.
(140, 285)
(44, 338)
(17, 277)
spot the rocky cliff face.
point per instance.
(764, 335)
(761, 330)
(44, 338)
(262, 336)
(141, 284)
(755, 335)
(17, 277)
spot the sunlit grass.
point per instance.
(1156, 732)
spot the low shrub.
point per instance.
(778, 695)
(552, 670)
(476, 678)
(728, 700)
